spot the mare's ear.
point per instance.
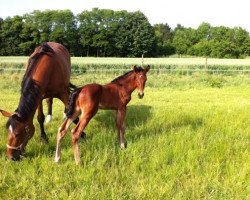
(135, 68)
(5, 113)
(147, 68)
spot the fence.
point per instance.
(183, 71)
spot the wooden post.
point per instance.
(206, 67)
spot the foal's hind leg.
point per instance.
(76, 132)
(83, 134)
(64, 99)
(41, 118)
(49, 104)
(61, 133)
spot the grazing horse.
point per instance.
(49, 102)
(87, 99)
(47, 76)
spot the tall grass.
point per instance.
(187, 139)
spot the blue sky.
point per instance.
(189, 13)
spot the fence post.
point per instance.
(206, 67)
(142, 60)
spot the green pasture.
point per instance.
(189, 138)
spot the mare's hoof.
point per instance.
(45, 139)
(48, 119)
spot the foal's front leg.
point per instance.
(120, 124)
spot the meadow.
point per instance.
(188, 138)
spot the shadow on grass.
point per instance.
(136, 115)
(159, 127)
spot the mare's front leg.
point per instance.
(120, 116)
(41, 119)
(49, 104)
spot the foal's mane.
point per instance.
(138, 69)
(30, 90)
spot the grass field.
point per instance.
(189, 138)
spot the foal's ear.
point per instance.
(147, 68)
(5, 113)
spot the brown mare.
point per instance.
(87, 99)
(47, 76)
(49, 102)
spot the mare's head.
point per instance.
(141, 78)
(19, 132)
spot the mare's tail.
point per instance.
(72, 101)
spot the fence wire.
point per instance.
(182, 70)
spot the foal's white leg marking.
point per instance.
(122, 145)
(57, 157)
(48, 118)
(58, 146)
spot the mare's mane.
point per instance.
(30, 90)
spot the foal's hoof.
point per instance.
(123, 145)
(83, 136)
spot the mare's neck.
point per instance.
(29, 100)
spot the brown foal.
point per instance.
(89, 98)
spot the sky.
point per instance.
(188, 13)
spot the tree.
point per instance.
(10, 34)
(184, 38)
(164, 38)
(135, 35)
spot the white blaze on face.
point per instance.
(140, 89)
(10, 129)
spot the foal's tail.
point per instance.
(72, 87)
(72, 101)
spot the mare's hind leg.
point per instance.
(49, 104)
(61, 133)
(41, 119)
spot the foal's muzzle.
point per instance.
(140, 95)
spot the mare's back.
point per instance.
(52, 70)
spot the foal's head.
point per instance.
(141, 78)
(19, 132)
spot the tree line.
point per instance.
(104, 32)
